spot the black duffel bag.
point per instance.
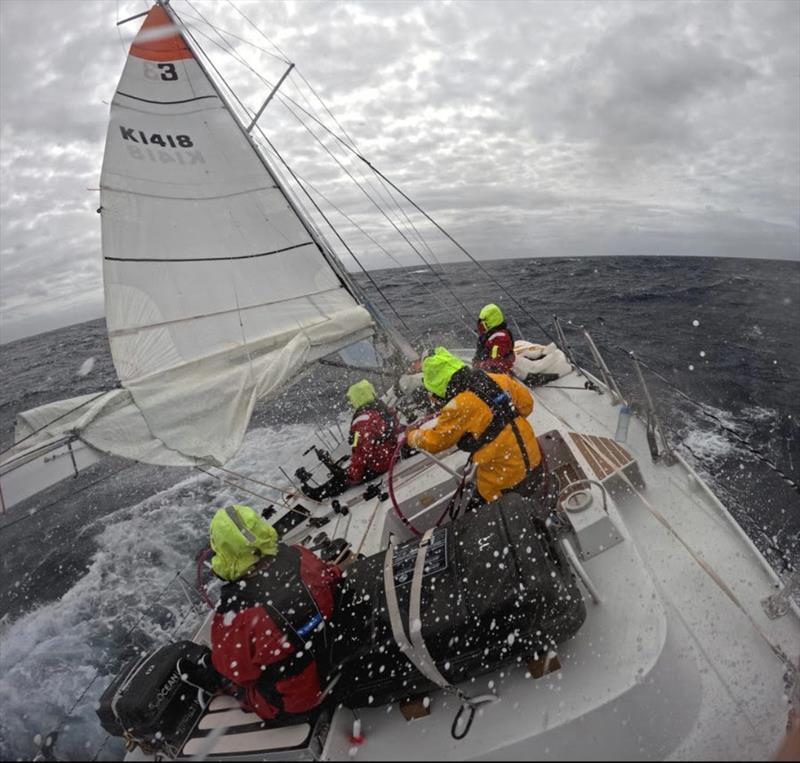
(496, 588)
(156, 700)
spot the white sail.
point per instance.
(216, 292)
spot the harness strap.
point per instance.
(504, 414)
(482, 352)
(284, 595)
(389, 426)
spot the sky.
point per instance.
(527, 129)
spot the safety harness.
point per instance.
(389, 429)
(483, 352)
(500, 404)
(281, 591)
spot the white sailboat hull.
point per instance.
(677, 659)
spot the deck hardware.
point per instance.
(778, 604)
(562, 341)
(608, 378)
(581, 571)
(654, 426)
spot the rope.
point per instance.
(266, 499)
(277, 489)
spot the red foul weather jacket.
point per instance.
(373, 438)
(495, 350)
(278, 671)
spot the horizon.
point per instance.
(358, 274)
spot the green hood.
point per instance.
(437, 370)
(239, 538)
(361, 393)
(491, 315)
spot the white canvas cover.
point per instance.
(216, 293)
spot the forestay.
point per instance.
(216, 292)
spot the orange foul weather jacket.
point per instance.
(499, 463)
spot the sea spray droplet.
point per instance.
(691, 367)
(702, 353)
(86, 367)
(695, 323)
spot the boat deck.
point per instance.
(676, 660)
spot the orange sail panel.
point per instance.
(158, 39)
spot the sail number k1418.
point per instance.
(139, 136)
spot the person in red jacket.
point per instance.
(495, 351)
(374, 430)
(270, 634)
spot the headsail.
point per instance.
(217, 290)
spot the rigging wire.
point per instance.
(347, 217)
(742, 441)
(460, 247)
(310, 87)
(379, 174)
(404, 195)
(288, 168)
(382, 211)
(284, 98)
(230, 51)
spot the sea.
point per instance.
(93, 568)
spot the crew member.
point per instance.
(495, 351)
(373, 434)
(485, 415)
(270, 632)
(374, 430)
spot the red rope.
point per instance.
(390, 481)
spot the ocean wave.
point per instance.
(58, 651)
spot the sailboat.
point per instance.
(221, 290)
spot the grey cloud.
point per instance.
(530, 128)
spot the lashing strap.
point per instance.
(414, 648)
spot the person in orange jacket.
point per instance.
(485, 415)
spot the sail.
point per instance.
(216, 292)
